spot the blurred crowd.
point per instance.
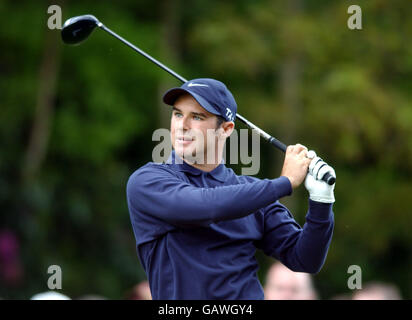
(281, 284)
(284, 284)
(140, 291)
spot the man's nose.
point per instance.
(184, 123)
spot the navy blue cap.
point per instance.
(211, 94)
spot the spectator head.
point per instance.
(50, 295)
(284, 284)
(377, 291)
(140, 291)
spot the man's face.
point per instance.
(193, 130)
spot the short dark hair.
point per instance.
(219, 121)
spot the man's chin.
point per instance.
(188, 154)
(181, 151)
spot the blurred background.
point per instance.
(75, 122)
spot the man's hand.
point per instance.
(296, 164)
(319, 190)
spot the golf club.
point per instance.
(75, 30)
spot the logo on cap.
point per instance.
(229, 114)
(191, 84)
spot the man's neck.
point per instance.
(207, 167)
(204, 167)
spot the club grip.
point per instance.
(328, 177)
(281, 146)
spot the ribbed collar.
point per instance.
(219, 173)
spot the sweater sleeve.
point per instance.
(156, 191)
(300, 249)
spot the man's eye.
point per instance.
(197, 118)
(177, 114)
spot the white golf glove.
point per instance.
(318, 189)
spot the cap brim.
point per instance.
(173, 94)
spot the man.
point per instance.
(197, 224)
(284, 284)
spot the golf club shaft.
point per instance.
(328, 178)
(281, 146)
(161, 65)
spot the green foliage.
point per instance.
(351, 103)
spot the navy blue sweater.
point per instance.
(197, 232)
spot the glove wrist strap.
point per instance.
(322, 199)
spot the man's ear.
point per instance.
(226, 129)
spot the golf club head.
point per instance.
(77, 29)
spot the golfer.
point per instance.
(198, 225)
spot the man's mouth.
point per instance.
(184, 140)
